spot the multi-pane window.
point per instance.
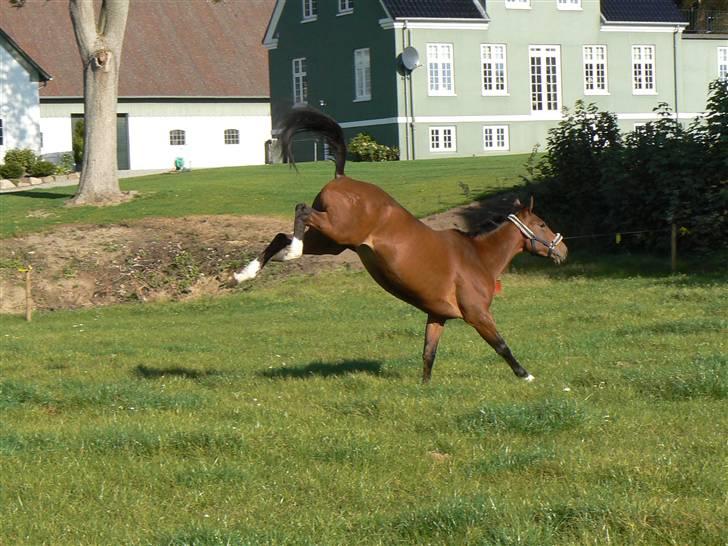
(440, 79)
(300, 81)
(310, 9)
(232, 136)
(362, 75)
(595, 70)
(177, 137)
(518, 4)
(2, 133)
(442, 139)
(545, 79)
(493, 62)
(568, 4)
(722, 63)
(346, 6)
(643, 70)
(495, 137)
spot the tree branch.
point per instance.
(84, 26)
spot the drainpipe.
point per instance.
(406, 104)
(674, 72)
(412, 98)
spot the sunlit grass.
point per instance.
(291, 413)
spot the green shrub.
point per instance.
(363, 147)
(66, 165)
(42, 168)
(11, 170)
(77, 142)
(26, 158)
(594, 181)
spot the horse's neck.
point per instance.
(500, 246)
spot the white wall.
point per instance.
(19, 108)
(150, 123)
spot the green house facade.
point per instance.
(442, 78)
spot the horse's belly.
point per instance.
(427, 296)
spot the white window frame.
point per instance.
(644, 73)
(440, 70)
(299, 71)
(346, 7)
(177, 137)
(498, 136)
(549, 57)
(568, 5)
(723, 62)
(362, 75)
(438, 134)
(490, 61)
(309, 9)
(596, 74)
(518, 4)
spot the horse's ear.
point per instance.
(530, 206)
(517, 203)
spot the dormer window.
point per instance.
(568, 4)
(310, 10)
(346, 7)
(518, 4)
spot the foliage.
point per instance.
(77, 141)
(24, 157)
(594, 181)
(364, 148)
(11, 170)
(66, 164)
(42, 168)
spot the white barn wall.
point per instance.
(204, 124)
(19, 108)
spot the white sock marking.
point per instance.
(291, 252)
(249, 272)
(529, 378)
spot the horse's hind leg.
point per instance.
(281, 248)
(486, 328)
(433, 332)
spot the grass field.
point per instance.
(423, 187)
(290, 412)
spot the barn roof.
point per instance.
(171, 49)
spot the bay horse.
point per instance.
(447, 274)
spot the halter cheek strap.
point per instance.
(533, 238)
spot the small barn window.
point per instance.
(232, 136)
(177, 137)
(2, 134)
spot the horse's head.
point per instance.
(540, 239)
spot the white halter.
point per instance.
(531, 236)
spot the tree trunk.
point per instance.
(100, 44)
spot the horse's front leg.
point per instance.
(433, 331)
(485, 325)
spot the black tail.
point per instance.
(304, 119)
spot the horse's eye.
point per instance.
(543, 225)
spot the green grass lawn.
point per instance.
(424, 187)
(291, 413)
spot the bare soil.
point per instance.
(157, 259)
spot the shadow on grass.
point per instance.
(145, 372)
(40, 194)
(325, 369)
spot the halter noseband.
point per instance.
(533, 238)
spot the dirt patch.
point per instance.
(163, 258)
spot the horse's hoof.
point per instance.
(250, 272)
(529, 378)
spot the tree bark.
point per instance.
(100, 44)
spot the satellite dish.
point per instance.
(410, 58)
